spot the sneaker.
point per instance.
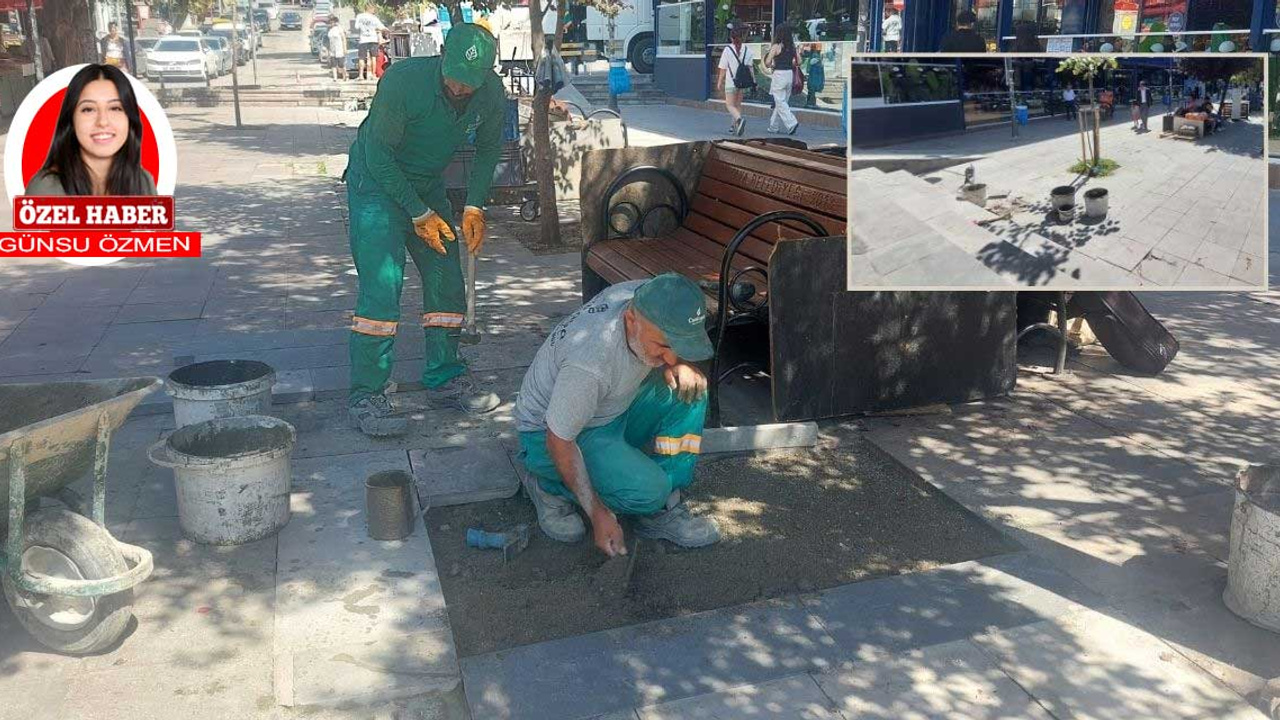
(461, 393)
(740, 126)
(373, 416)
(557, 516)
(793, 129)
(679, 525)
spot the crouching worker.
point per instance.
(611, 413)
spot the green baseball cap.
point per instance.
(676, 306)
(468, 56)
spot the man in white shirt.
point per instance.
(370, 31)
(338, 52)
(611, 414)
(891, 29)
(1069, 97)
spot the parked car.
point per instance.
(195, 33)
(178, 58)
(290, 20)
(261, 21)
(141, 47)
(271, 7)
(241, 45)
(225, 54)
(319, 39)
(318, 18)
(251, 38)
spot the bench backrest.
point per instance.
(740, 181)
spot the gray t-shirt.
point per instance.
(584, 375)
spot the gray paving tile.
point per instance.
(1196, 276)
(645, 664)
(1090, 664)
(952, 680)
(1180, 244)
(454, 476)
(1161, 269)
(158, 312)
(793, 698)
(1248, 268)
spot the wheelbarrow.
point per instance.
(67, 580)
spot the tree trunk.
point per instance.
(68, 24)
(1097, 125)
(543, 152)
(1084, 133)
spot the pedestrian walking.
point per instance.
(111, 48)
(370, 32)
(423, 112)
(1069, 98)
(781, 61)
(891, 29)
(964, 39)
(736, 77)
(338, 52)
(1144, 102)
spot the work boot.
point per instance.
(373, 416)
(557, 516)
(679, 525)
(461, 393)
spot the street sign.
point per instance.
(1177, 22)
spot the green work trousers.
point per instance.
(639, 458)
(380, 235)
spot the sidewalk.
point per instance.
(1117, 491)
(1182, 214)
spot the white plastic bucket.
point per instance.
(220, 389)
(232, 476)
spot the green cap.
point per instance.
(676, 306)
(468, 56)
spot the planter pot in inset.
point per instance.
(1066, 212)
(1096, 202)
(975, 193)
(1062, 195)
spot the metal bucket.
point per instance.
(1096, 202)
(1062, 195)
(389, 505)
(220, 389)
(975, 193)
(232, 476)
(1253, 567)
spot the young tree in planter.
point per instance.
(1087, 68)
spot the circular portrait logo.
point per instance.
(83, 124)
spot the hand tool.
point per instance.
(510, 542)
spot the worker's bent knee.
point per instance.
(642, 491)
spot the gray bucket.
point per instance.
(1253, 567)
(232, 476)
(975, 193)
(1062, 195)
(220, 389)
(1096, 202)
(389, 504)
(1066, 213)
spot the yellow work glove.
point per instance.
(473, 228)
(433, 230)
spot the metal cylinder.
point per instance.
(389, 505)
(1253, 567)
(220, 389)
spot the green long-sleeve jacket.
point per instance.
(412, 132)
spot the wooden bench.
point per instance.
(760, 226)
(578, 53)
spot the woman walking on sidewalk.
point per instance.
(734, 57)
(781, 62)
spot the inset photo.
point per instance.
(1082, 172)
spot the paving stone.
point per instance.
(1180, 244)
(793, 698)
(292, 386)
(356, 619)
(159, 312)
(1161, 269)
(455, 476)
(951, 680)
(648, 664)
(759, 437)
(1197, 276)
(1248, 268)
(1090, 664)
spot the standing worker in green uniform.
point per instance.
(424, 110)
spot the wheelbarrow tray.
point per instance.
(58, 421)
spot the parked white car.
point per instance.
(225, 56)
(182, 59)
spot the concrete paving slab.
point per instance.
(292, 386)
(357, 620)
(454, 476)
(1088, 664)
(793, 698)
(159, 312)
(648, 664)
(951, 680)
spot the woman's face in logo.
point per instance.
(100, 121)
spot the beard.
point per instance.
(638, 351)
